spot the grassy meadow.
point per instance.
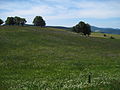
(96, 34)
(34, 58)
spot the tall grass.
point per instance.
(34, 58)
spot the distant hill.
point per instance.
(94, 29)
(105, 30)
(60, 27)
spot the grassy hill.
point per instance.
(94, 29)
(34, 58)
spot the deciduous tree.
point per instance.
(1, 21)
(38, 21)
(10, 21)
(23, 21)
(83, 28)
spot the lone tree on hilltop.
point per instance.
(38, 21)
(82, 28)
(1, 21)
(87, 30)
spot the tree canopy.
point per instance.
(1, 21)
(83, 28)
(10, 21)
(23, 21)
(39, 21)
(15, 21)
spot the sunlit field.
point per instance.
(34, 58)
(107, 35)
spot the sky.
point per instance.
(100, 13)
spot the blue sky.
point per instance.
(101, 13)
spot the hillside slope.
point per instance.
(94, 29)
(35, 58)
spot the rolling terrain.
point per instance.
(94, 29)
(106, 30)
(34, 58)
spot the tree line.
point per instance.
(81, 27)
(37, 21)
(15, 21)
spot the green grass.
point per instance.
(34, 58)
(107, 35)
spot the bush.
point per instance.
(112, 37)
(105, 35)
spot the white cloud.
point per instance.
(84, 9)
(31, 11)
(63, 9)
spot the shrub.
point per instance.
(105, 35)
(112, 37)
